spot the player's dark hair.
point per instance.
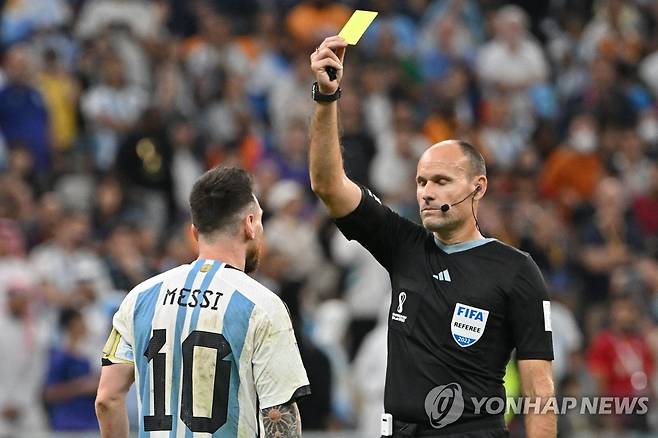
(218, 196)
(478, 167)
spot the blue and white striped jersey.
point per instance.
(211, 346)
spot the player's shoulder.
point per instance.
(261, 296)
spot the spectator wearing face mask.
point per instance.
(573, 169)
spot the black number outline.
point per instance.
(219, 413)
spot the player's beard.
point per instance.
(252, 258)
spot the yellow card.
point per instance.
(357, 25)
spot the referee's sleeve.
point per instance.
(530, 314)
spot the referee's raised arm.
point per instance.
(328, 178)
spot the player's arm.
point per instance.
(328, 178)
(111, 399)
(537, 385)
(282, 421)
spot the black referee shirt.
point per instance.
(457, 312)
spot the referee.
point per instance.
(461, 303)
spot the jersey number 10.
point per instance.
(160, 420)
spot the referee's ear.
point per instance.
(481, 187)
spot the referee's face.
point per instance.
(443, 177)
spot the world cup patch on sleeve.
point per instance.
(468, 324)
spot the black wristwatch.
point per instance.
(319, 97)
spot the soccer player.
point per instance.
(212, 351)
(461, 302)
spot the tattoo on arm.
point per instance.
(282, 421)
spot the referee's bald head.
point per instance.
(219, 197)
(475, 159)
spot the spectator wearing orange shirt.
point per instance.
(572, 171)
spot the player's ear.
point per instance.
(195, 232)
(250, 226)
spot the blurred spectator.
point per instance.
(615, 31)
(609, 239)
(390, 24)
(63, 262)
(573, 170)
(287, 232)
(500, 137)
(369, 375)
(512, 61)
(317, 408)
(142, 18)
(359, 146)
(290, 155)
(61, 93)
(630, 162)
(288, 101)
(603, 97)
(70, 387)
(567, 342)
(146, 166)
(112, 109)
(457, 24)
(645, 206)
(186, 166)
(109, 208)
(211, 52)
(23, 114)
(313, 20)
(366, 287)
(393, 170)
(125, 263)
(22, 334)
(621, 360)
(20, 18)
(443, 54)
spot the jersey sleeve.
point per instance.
(279, 373)
(119, 345)
(377, 228)
(117, 350)
(530, 314)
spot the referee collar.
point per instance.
(462, 246)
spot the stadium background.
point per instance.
(109, 110)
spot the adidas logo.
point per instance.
(442, 276)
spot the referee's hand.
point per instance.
(329, 54)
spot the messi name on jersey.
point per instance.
(192, 297)
(468, 324)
